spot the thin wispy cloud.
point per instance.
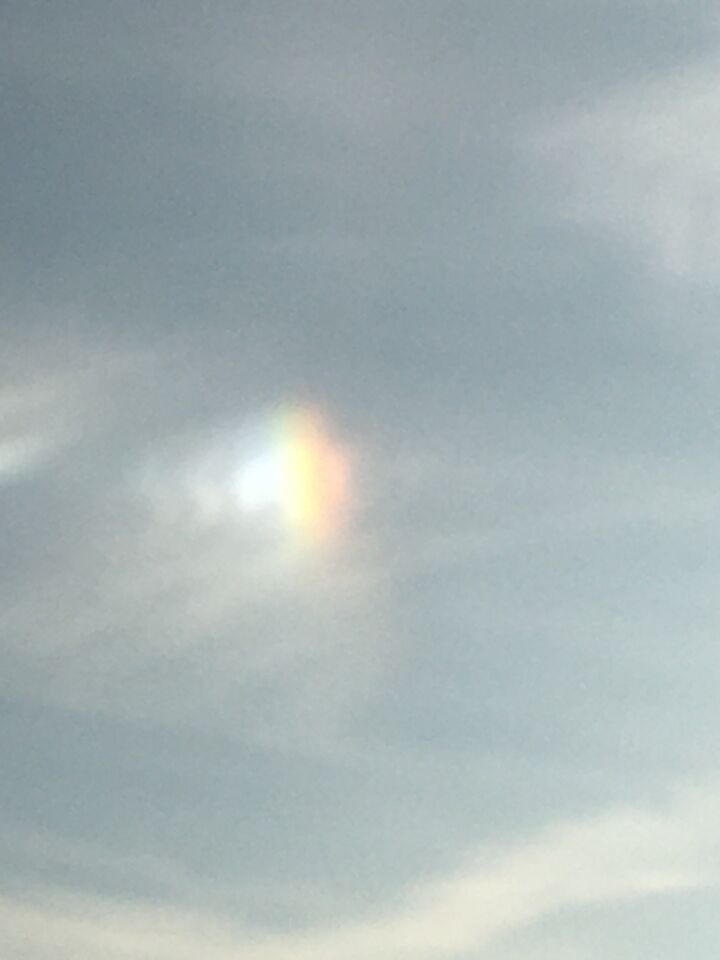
(610, 858)
(640, 167)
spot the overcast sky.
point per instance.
(478, 242)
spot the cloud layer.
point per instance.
(623, 854)
(479, 240)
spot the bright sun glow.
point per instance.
(301, 475)
(259, 482)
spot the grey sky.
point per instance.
(480, 239)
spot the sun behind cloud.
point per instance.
(300, 474)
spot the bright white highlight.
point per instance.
(259, 483)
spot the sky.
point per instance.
(358, 480)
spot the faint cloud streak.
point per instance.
(612, 857)
(643, 167)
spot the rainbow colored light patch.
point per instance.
(300, 474)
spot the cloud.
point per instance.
(39, 416)
(60, 389)
(170, 608)
(171, 605)
(642, 167)
(267, 202)
(613, 857)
